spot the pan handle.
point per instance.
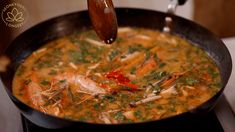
(171, 10)
(173, 5)
(181, 2)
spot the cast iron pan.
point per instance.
(44, 32)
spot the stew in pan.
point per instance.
(145, 75)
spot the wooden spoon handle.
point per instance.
(103, 18)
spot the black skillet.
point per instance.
(44, 32)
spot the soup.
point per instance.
(145, 75)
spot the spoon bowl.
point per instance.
(103, 18)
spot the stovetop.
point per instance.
(207, 122)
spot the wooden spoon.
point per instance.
(103, 18)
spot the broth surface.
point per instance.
(145, 75)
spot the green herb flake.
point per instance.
(91, 34)
(153, 75)
(212, 72)
(76, 56)
(123, 96)
(44, 82)
(57, 52)
(172, 109)
(53, 72)
(147, 55)
(110, 98)
(62, 81)
(215, 85)
(159, 107)
(138, 114)
(119, 116)
(96, 106)
(20, 70)
(161, 65)
(135, 47)
(133, 70)
(47, 103)
(157, 88)
(82, 118)
(126, 88)
(113, 54)
(191, 81)
(74, 40)
(156, 58)
(119, 40)
(20, 94)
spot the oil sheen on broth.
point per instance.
(145, 75)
